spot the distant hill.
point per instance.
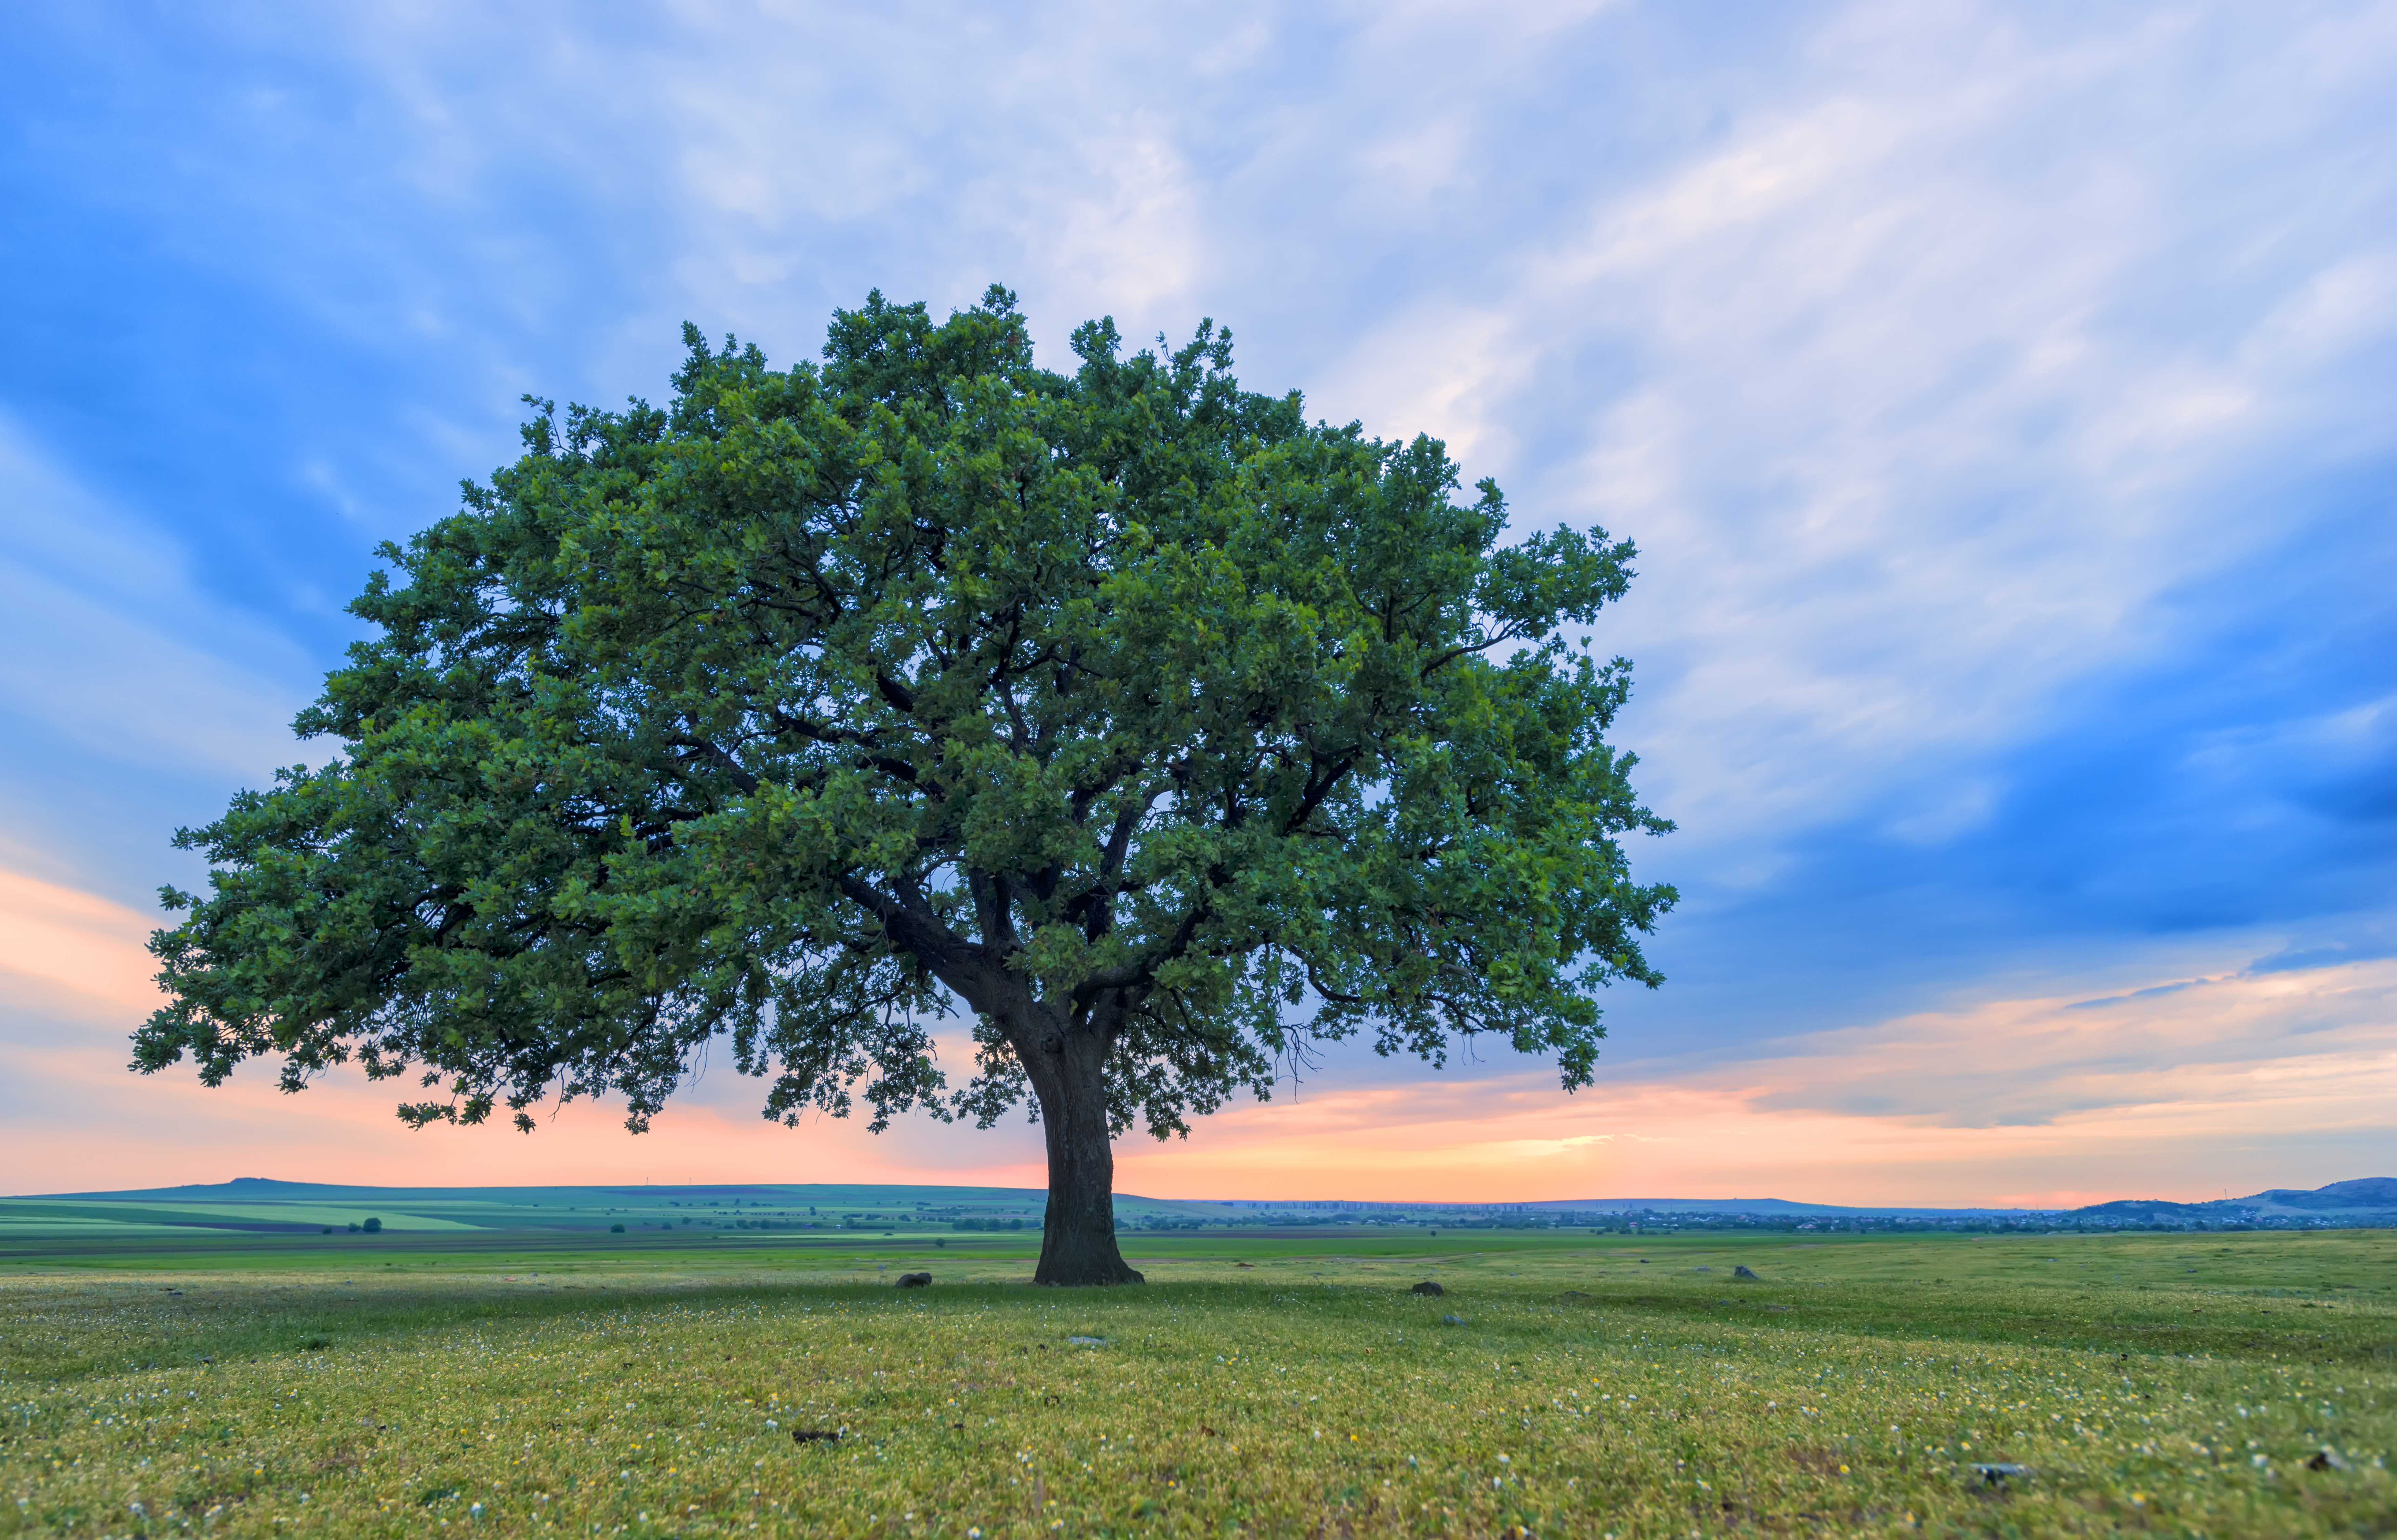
(2142, 1208)
(256, 1190)
(2363, 1198)
(2367, 1192)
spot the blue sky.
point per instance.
(1999, 396)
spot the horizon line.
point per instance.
(1521, 1205)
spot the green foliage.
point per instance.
(1122, 705)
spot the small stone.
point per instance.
(1429, 1287)
(1743, 1270)
(1088, 1342)
(915, 1281)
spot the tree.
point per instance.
(1164, 731)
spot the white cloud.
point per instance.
(1935, 376)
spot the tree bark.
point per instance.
(1077, 1238)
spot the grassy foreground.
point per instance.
(2174, 1383)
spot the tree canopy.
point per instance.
(1162, 730)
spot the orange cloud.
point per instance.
(75, 980)
(2233, 1083)
(60, 941)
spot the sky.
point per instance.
(1998, 395)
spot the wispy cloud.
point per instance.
(1926, 378)
(116, 667)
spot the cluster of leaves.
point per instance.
(1122, 703)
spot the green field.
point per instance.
(1266, 1384)
(259, 1216)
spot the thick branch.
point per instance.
(956, 961)
(1141, 972)
(817, 732)
(1317, 791)
(993, 909)
(1505, 634)
(716, 755)
(1095, 910)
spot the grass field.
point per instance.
(1267, 1385)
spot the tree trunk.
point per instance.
(1078, 1239)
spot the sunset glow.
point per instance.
(2171, 1090)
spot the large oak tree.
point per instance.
(1166, 731)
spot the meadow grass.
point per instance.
(2186, 1385)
